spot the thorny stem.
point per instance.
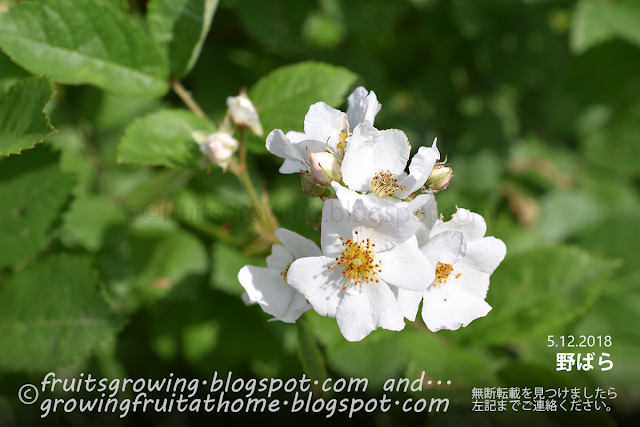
(267, 221)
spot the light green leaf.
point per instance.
(181, 26)
(84, 41)
(33, 191)
(23, 122)
(310, 355)
(598, 21)
(539, 291)
(163, 139)
(284, 95)
(52, 314)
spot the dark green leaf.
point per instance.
(310, 355)
(52, 314)
(180, 26)
(33, 191)
(597, 21)
(163, 139)
(23, 122)
(84, 41)
(226, 263)
(10, 73)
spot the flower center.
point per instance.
(443, 271)
(358, 259)
(384, 184)
(283, 273)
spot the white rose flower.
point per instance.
(364, 253)
(243, 113)
(464, 260)
(269, 286)
(219, 148)
(325, 128)
(375, 162)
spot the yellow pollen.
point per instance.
(283, 273)
(443, 271)
(358, 260)
(384, 184)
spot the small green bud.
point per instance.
(440, 177)
(310, 186)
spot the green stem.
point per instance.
(186, 97)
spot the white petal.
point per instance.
(373, 107)
(292, 166)
(485, 254)
(419, 170)
(279, 145)
(280, 258)
(265, 287)
(321, 286)
(447, 307)
(335, 224)
(447, 247)
(300, 246)
(409, 302)
(367, 307)
(392, 152)
(324, 123)
(472, 225)
(384, 224)
(404, 266)
(470, 280)
(357, 166)
(357, 105)
(294, 136)
(427, 216)
(297, 308)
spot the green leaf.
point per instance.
(180, 27)
(52, 314)
(597, 21)
(164, 139)
(88, 220)
(84, 41)
(23, 122)
(284, 95)
(10, 73)
(539, 291)
(33, 191)
(310, 355)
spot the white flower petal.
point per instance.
(384, 224)
(447, 307)
(447, 247)
(392, 152)
(404, 266)
(300, 246)
(279, 145)
(335, 224)
(265, 286)
(427, 216)
(470, 280)
(419, 170)
(297, 308)
(357, 105)
(373, 107)
(409, 301)
(321, 286)
(324, 123)
(367, 307)
(292, 166)
(485, 254)
(357, 166)
(294, 136)
(280, 258)
(472, 225)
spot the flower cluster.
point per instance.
(383, 248)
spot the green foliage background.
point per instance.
(119, 254)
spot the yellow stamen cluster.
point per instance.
(443, 271)
(342, 144)
(283, 273)
(357, 257)
(384, 184)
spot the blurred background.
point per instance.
(535, 103)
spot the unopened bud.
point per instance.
(311, 187)
(243, 113)
(440, 177)
(325, 168)
(219, 148)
